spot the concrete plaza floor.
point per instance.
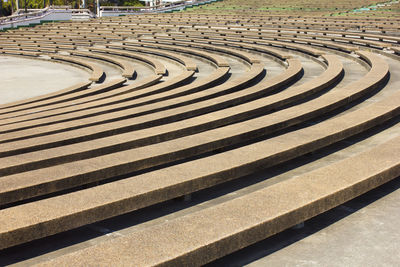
(22, 78)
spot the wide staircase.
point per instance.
(195, 135)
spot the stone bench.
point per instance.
(19, 52)
(196, 86)
(396, 50)
(97, 71)
(218, 60)
(189, 239)
(322, 82)
(244, 37)
(251, 75)
(16, 113)
(23, 104)
(241, 54)
(128, 70)
(307, 33)
(332, 73)
(301, 48)
(187, 62)
(88, 156)
(289, 75)
(262, 154)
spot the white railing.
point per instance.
(119, 10)
(67, 13)
(24, 16)
(49, 13)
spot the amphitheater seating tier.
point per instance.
(184, 104)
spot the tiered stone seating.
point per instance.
(97, 72)
(221, 97)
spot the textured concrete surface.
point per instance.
(191, 140)
(241, 161)
(213, 232)
(23, 78)
(93, 234)
(159, 143)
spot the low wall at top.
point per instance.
(43, 15)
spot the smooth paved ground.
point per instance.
(23, 78)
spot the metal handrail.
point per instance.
(24, 16)
(155, 8)
(40, 13)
